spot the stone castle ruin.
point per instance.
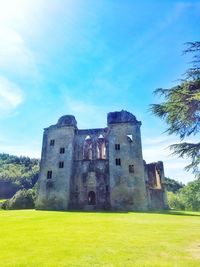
(98, 169)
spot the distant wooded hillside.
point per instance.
(172, 185)
(17, 173)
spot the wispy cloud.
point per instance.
(157, 148)
(11, 96)
(15, 56)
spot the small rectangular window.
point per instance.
(131, 168)
(49, 174)
(61, 164)
(117, 146)
(118, 162)
(62, 150)
(52, 142)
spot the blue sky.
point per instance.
(89, 57)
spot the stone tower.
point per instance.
(98, 169)
(56, 165)
(127, 183)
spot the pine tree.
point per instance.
(181, 109)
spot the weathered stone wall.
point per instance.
(103, 168)
(127, 187)
(54, 193)
(155, 185)
(94, 134)
(90, 175)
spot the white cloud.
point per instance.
(11, 96)
(15, 53)
(157, 148)
(15, 56)
(18, 12)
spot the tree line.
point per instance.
(183, 197)
(17, 173)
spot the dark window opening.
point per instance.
(118, 162)
(91, 198)
(49, 174)
(107, 189)
(131, 168)
(62, 150)
(61, 164)
(117, 146)
(52, 142)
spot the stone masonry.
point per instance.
(98, 169)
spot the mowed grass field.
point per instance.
(47, 238)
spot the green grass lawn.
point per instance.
(45, 238)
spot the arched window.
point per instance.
(91, 198)
(158, 178)
(87, 148)
(101, 147)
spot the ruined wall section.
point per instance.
(90, 174)
(56, 165)
(127, 183)
(155, 185)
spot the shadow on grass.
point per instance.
(164, 212)
(175, 212)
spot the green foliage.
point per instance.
(17, 173)
(181, 110)
(187, 198)
(190, 195)
(23, 199)
(190, 150)
(174, 201)
(172, 185)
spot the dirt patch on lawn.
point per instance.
(194, 250)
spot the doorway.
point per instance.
(91, 198)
